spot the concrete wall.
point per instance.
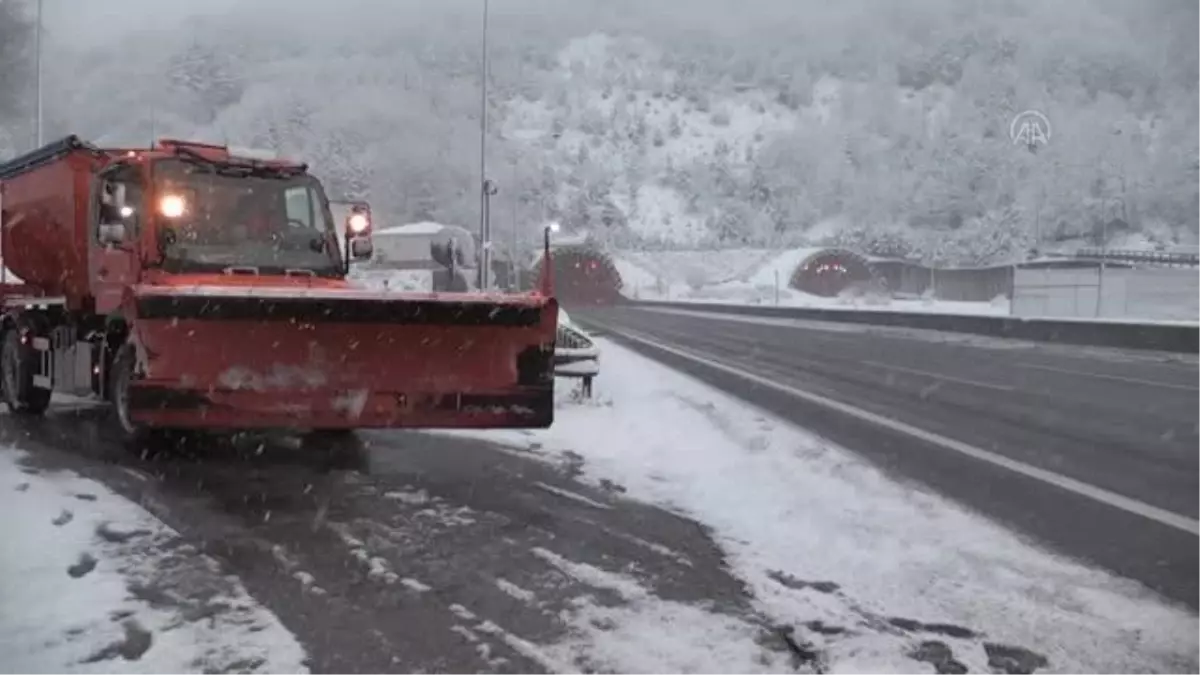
(1126, 293)
(965, 284)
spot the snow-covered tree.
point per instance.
(899, 132)
(206, 79)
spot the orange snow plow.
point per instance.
(195, 287)
(334, 358)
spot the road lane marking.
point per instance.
(808, 324)
(1115, 378)
(1097, 494)
(752, 344)
(573, 496)
(939, 376)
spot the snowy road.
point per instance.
(1092, 451)
(427, 554)
(90, 582)
(662, 527)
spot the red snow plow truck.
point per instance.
(196, 289)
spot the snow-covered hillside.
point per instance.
(653, 126)
(654, 162)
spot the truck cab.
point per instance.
(192, 209)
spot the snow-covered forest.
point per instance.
(659, 123)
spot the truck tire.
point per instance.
(336, 449)
(120, 376)
(18, 362)
(140, 439)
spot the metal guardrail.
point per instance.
(576, 356)
(569, 340)
(1134, 256)
(1178, 338)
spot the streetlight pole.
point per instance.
(484, 225)
(1104, 231)
(37, 61)
(512, 254)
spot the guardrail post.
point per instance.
(1012, 290)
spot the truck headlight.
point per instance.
(171, 206)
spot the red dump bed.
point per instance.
(43, 213)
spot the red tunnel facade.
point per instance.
(583, 276)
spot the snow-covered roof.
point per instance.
(425, 227)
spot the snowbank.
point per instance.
(634, 277)
(827, 543)
(90, 582)
(757, 295)
(781, 268)
(706, 266)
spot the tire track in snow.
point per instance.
(366, 566)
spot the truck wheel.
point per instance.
(17, 365)
(146, 441)
(120, 379)
(336, 449)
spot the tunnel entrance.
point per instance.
(828, 272)
(583, 276)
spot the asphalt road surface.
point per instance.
(410, 553)
(1090, 452)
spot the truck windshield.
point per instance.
(213, 217)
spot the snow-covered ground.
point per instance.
(92, 583)
(758, 277)
(735, 293)
(823, 539)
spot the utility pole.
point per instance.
(37, 61)
(484, 186)
(512, 253)
(1104, 230)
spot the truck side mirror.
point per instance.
(112, 196)
(109, 213)
(112, 233)
(361, 247)
(114, 207)
(447, 252)
(440, 252)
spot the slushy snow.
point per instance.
(92, 583)
(824, 540)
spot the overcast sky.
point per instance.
(96, 21)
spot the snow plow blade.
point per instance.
(340, 358)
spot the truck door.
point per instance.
(115, 217)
